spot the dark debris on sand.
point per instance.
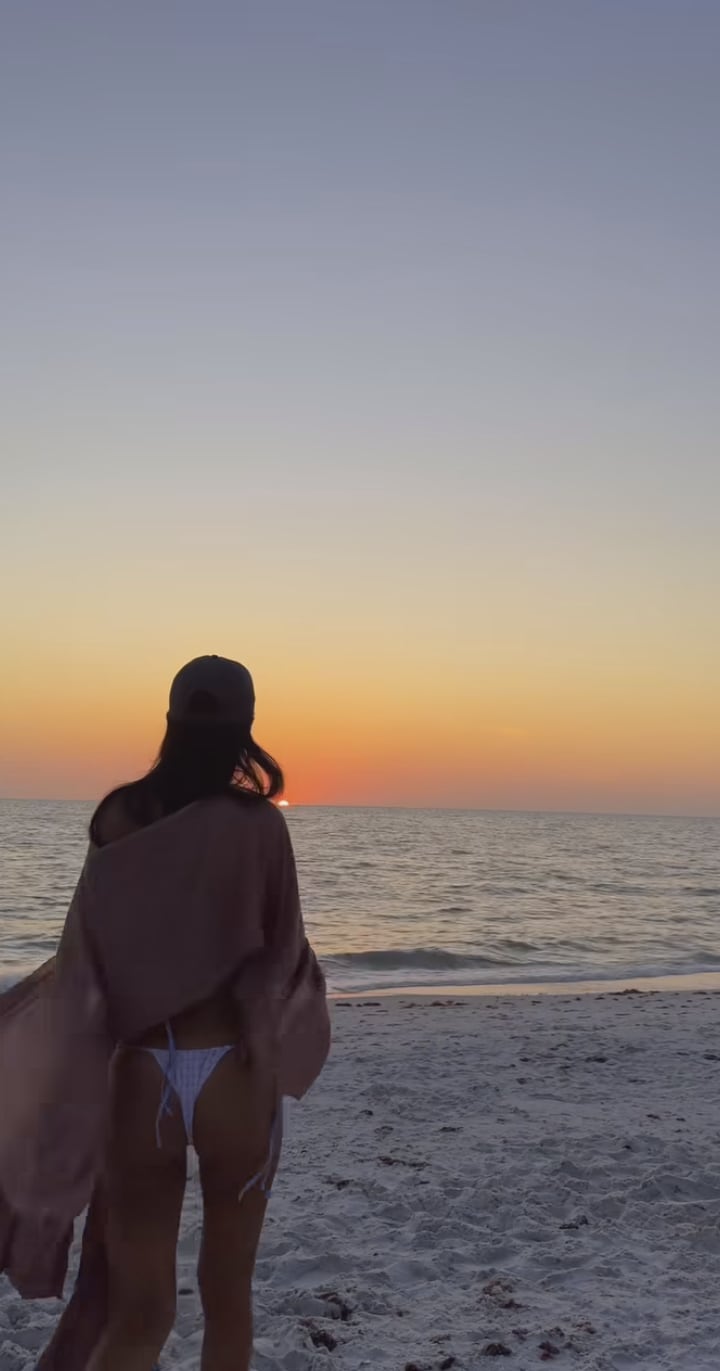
(321, 1337)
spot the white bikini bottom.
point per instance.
(185, 1071)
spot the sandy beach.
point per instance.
(533, 1179)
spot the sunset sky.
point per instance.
(375, 344)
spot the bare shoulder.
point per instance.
(114, 819)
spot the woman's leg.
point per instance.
(85, 1314)
(144, 1191)
(232, 1126)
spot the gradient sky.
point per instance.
(375, 344)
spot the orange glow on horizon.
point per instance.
(366, 715)
(540, 755)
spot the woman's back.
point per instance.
(176, 910)
(212, 1021)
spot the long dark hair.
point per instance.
(196, 760)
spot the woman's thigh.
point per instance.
(232, 1133)
(144, 1186)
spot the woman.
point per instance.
(184, 953)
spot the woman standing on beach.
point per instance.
(183, 958)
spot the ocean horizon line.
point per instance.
(424, 808)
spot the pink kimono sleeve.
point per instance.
(282, 989)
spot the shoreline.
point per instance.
(685, 983)
(704, 982)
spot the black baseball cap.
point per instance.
(214, 690)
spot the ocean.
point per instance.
(400, 897)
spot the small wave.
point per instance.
(510, 961)
(702, 956)
(517, 945)
(423, 958)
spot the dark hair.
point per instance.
(196, 760)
